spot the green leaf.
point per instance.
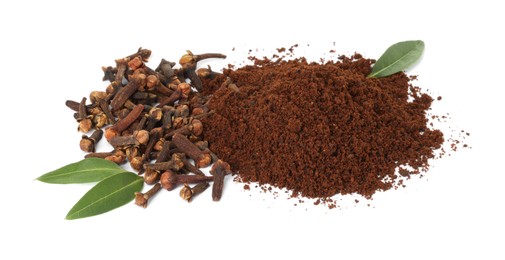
(111, 193)
(87, 170)
(397, 58)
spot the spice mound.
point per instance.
(320, 129)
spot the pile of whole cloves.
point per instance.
(151, 119)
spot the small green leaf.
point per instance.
(397, 58)
(111, 193)
(87, 170)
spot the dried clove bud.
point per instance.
(118, 157)
(155, 115)
(170, 180)
(74, 105)
(136, 163)
(182, 111)
(123, 94)
(94, 96)
(165, 68)
(135, 63)
(99, 120)
(121, 65)
(142, 53)
(106, 110)
(175, 164)
(164, 153)
(85, 125)
(196, 82)
(84, 120)
(155, 135)
(197, 111)
(206, 73)
(87, 144)
(132, 152)
(137, 138)
(164, 80)
(191, 168)
(175, 96)
(152, 81)
(166, 120)
(140, 79)
(195, 128)
(219, 170)
(188, 193)
(151, 176)
(191, 150)
(109, 73)
(142, 199)
(202, 145)
(124, 123)
(185, 89)
(189, 60)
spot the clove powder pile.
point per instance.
(320, 129)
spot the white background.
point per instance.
(53, 51)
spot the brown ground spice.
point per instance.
(320, 129)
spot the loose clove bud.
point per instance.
(189, 59)
(155, 115)
(191, 150)
(123, 94)
(202, 145)
(121, 65)
(137, 138)
(195, 128)
(185, 89)
(196, 82)
(109, 73)
(169, 180)
(87, 144)
(175, 164)
(83, 119)
(164, 153)
(166, 120)
(106, 110)
(151, 176)
(135, 63)
(124, 123)
(188, 193)
(118, 157)
(142, 199)
(142, 53)
(154, 83)
(175, 96)
(136, 163)
(206, 73)
(99, 120)
(94, 96)
(166, 68)
(219, 170)
(191, 168)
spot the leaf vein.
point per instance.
(101, 199)
(81, 171)
(387, 67)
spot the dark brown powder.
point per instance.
(320, 129)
